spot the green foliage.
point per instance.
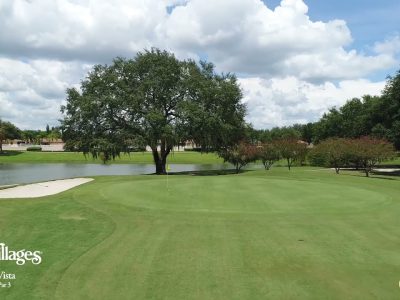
(364, 152)
(291, 150)
(332, 152)
(371, 115)
(240, 155)
(379, 131)
(368, 151)
(317, 158)
(8, 131)
(268, 135)
(34, 149)
(157, 100)
(196, 149)
(268, 153)
(37, 136)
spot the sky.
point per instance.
(294, 59)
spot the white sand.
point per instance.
(377, 170)
(41, 189)
(387, 170)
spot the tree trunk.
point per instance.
(237, 168)
(337, 169)
(160, 158)
(160, 168)
(288, 163)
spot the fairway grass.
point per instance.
(133, 158)
(303, 234)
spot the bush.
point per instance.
(196, 149)
(239, 155)
(317, 159)
(137, 149)
(291, 150)
(34, 148)
(268, 153)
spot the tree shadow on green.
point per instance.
(377, 175)
(387, 173)
(10, 153)
(208, 172)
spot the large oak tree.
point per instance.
(155, 100)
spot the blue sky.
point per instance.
(368, 20)
(293, 63)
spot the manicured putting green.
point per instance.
(304, 234)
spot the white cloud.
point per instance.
(280, 102)
(31, 92)
(390, 46)
(286, 60)
(242, 36)
(247, 37)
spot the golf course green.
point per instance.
(278, 234)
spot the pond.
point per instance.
(28, 173)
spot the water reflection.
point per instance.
(28, 173)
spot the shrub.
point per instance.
(34, 148)
(364, 152)
(196, 149)
(368, 151)
(316, 158)
(333, 152)
(239, 155)
(291, 150)
(268, 153)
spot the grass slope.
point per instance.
(304, 234)
(133, 158)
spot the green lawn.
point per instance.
(304, 234)
(395, 161)
(133, 158)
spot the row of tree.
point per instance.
(38, 136)
(9, 131)
(290, 149)
(364, 152)
(375, 116)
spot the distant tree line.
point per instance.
(9, 131)
(290, 149)
(375, 116)
(360, 153)
(37, 136)
(364, 152)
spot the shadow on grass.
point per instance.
(387, 173)
(375, 175)
(10, 153)
(391, 166)
(207, 172)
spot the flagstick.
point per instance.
(167, 178)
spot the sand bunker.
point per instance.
(41, 189)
